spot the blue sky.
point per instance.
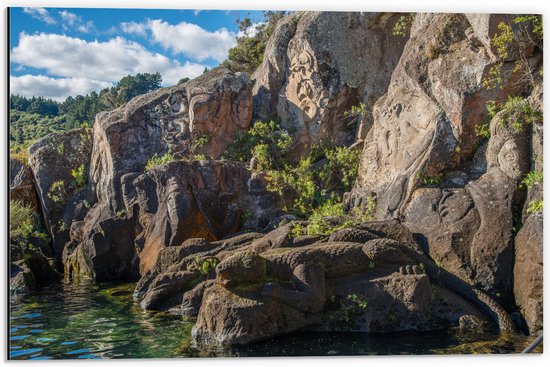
(57, 52)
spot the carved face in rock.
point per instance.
(173, 114)
(507, 148)
(202, 111)
(241, 268)
(395, 148)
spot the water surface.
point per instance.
(101, 321)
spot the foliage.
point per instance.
(521, 111)
(79, 176)
(403, 25)
(354, 305)
(208, 265)
(483, 131)
(357, 112)
(22, 221)
(57, 192)
(326, 172)
(430, 180)
(158, 160)
(535, 206)
(183, 80)
(515, 40)
(129, 87)
(248, 53)
(331, 217)
(265, 141)
(532, 178)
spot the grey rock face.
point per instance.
(528, 272)
(214, 106)
(163, 208)
(52, 160)
(22, 184)
(319, 64)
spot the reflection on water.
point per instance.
(101, 321)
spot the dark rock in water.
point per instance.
(528, 272)
(52, 160)
(21, 278)
(376, 286)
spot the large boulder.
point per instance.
(425, 125)
(255, 297)
(528, 272)
(22, 184)
(319, 64)
(180, 119)
(52, 160)
(163, 208)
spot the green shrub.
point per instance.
(158, 160)
(79, 176)
(403, 25)
(520, 112)
(22, 220)
(517, 40)
(57, 192)
(266, 141)
(532, 178)
(208, 265)
(248, 52)
(483, 131)
(330, 217)
(535, 206)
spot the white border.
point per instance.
(492, 6)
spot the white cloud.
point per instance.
(252, 30)
(71, 20)
(71, 57)
(192, 40)
(40, 14)
(134, 28)
(55, 88)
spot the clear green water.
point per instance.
(101, 321)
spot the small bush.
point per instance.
(158, 160)
(403, 25)
(520, 111)
(265, 141)
(532, 178)
(79, 176)
(483, 131)
(57, 192)
(22, 220)
(535, 206)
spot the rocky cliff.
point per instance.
(453, 165)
